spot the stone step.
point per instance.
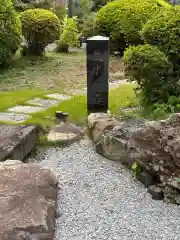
(13, 117)
(58, 96)
(41, 102)
(25, 109)
(16, 142)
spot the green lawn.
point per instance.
(27, 78)
(76, 106)
(19, 97)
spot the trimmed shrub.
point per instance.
(164, 31)
(69, 35)
(122, 20)
(10, 31)
(89, 26)
(40, 27)
(150, 68)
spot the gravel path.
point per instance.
(99, 200)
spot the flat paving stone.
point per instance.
(25, 109)
(78, 91)
(116, 84)
(58, 96)
(13, 117)
(43, 102)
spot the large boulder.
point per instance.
(153, 145)
(111, 136)
(28, 200)
(98, 123)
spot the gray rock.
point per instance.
(146, 178)
(28, 200)
(25, 109)
(118, 75)
(16, 142)
(156, 192)
(46, 103)
(58, 96)
(117, 83)
(154, 145)
(111, 136)
(65, 132)
(9, 162)
(13, 117)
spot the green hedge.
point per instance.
(122, 20)
(164, 32)
(40, 27)
(10, 31)
(153, 72)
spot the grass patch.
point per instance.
(56, 72)
(12, 98)
(122, 97)
(77, 107)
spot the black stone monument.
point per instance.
(97, 73)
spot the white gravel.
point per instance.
(99, 200)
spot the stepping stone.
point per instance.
(25, 109)
(78, 91)
(58, 96)
(118, 75)
(43, 102)
(13, 117)
(116, 84)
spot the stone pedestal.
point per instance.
(97, 74)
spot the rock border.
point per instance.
(123, 142)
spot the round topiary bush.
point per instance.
(152, 71)
(40, 27)
(10, 31)
(164, 32)
(122, 20)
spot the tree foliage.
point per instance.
(153, 72)
(40, 27)
(10, 31)
(122, 20)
